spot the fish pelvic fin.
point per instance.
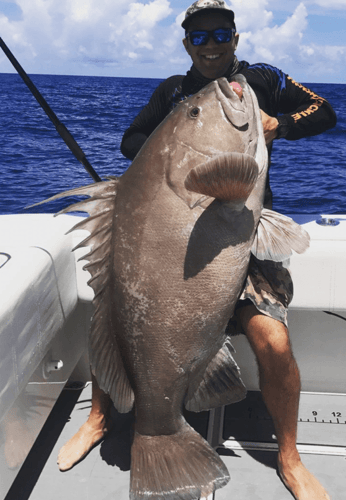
(221, 384)
(278, 236)
(180, 466)
(229, 177)
(105, 359)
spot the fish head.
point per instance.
(220, 119)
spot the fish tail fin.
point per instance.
(180, 466)
(229, 177)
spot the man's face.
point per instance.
(212, 59)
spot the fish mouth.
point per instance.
(234, 107)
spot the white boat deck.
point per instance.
(104, 474)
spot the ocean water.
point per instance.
(307, 176)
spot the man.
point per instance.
(211, 41)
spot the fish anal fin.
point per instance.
(277, 236)
(177, 466)
(220, 385)
(229, 177)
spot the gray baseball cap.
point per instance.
(205, 5)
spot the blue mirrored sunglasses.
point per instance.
(220, 35)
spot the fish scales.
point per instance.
(181, 225)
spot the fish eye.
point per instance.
(194, 112)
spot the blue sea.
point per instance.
(307, 176)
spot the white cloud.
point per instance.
(278, 43)
(251, 14)
(323, 60)
(135, 32)
(143, 37)
(331, 4)
(285, 45)
(58, 33)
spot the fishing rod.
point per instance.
(60, 127)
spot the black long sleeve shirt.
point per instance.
(300, 112)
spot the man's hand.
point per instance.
(270, 125)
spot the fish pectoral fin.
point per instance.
(229, 177)
(221, 384)
(180, 465)
(278, 236)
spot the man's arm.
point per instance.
(150, 117)
(290, 110)
(303, 112)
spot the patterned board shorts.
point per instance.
(269, 287)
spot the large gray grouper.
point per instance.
(170, 246)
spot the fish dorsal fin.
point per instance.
(278, 236)
(105, 359)
(229, 177)
(221, 384)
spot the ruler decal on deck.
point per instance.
(247, 425)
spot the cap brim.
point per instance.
(226, 12)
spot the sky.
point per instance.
(306, 39)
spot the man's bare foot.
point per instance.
(300, 482)
(89, 435)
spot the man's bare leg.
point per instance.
(280, 387)
(91, 433)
